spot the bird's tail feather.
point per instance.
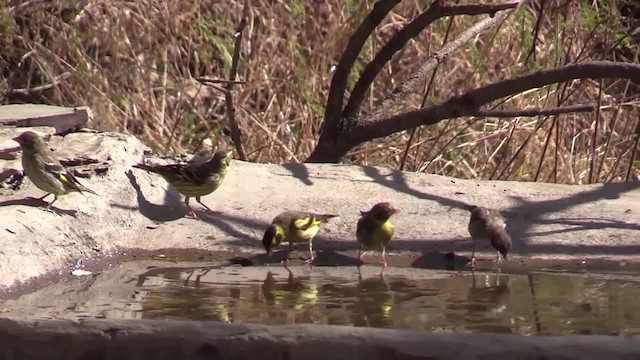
(72, 182)
(145, 167)
(325, 217)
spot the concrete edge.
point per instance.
(153, 339)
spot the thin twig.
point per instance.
(594, 138)
(536, 33)
(30, 91)
(206, 80)
(634, 151)
(614, 121)
(536, 111)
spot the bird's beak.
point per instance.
(16, 139)
(395, 210)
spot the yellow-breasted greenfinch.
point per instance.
(294, 227)
(488, 225)
(194, 179)
(44, 170)
(375, 229)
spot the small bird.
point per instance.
(375, 230)
(194, 179)
(488, 225)
(294, 227)
(44, 170)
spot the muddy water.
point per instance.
(537, 303)
(534, 304)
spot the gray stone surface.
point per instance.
(138, 210)
(177, 340)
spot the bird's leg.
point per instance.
(41, 198)
(206, 207)
(473, 254)
(360, 253)
(311, 257)
(498, 258)
(384, 258)
(289, 251)
(191, 212)
(55, 197)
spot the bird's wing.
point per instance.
(304, 222)
(195, 173)
(55, 168)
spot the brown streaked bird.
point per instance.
(44, 169)
(375, 230)
(294, 227)
(195, 179)
(488, 225)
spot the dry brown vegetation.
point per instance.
(135, 63)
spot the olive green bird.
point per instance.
(488, 225)
(375, 230)
(44, 170)
(294, 227)
(194, 179)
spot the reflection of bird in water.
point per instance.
(485, 305)
(375, 300)
(294, 294)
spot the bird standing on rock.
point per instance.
(294, 227)
(44, 170)
(488, 225)
(194, 179)
(375, 230)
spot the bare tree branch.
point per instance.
(535, 111)
(436, 11)
(412, 83)
(236, 136)
(333, 112)
(468, 104)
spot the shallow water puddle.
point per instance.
(403, 298)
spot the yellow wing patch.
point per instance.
(63, 178)
(304, 223)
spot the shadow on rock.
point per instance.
(172, 209)
(248, 232)
(299, 171)
(38, 203)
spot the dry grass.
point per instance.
(134, 64)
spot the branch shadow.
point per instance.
(520, 218)
(37, 203)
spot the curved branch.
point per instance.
(469, 104)
(333, 112)
(410, 85)
(436, 11)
